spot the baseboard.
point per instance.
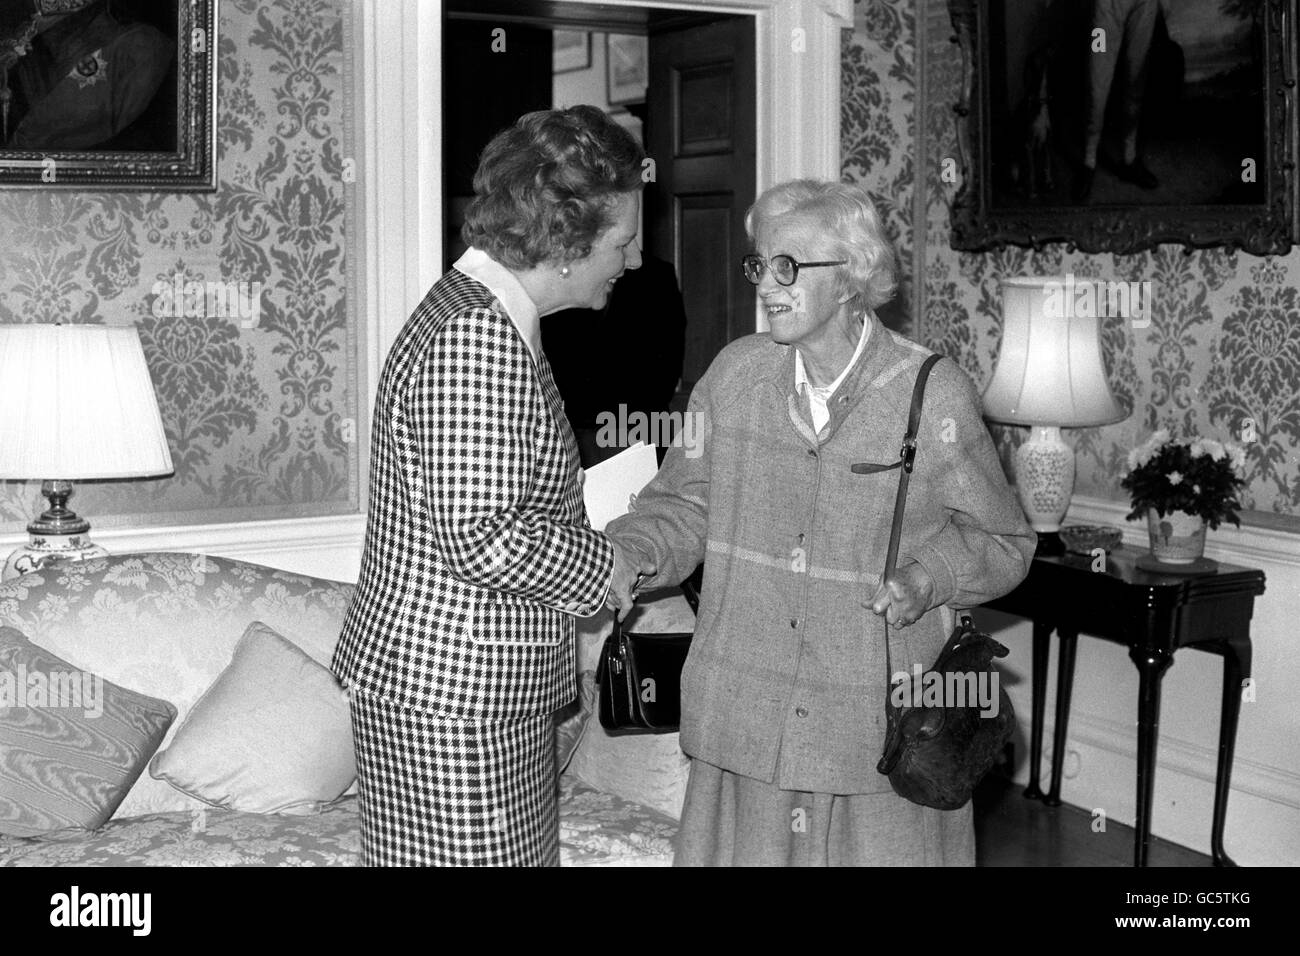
(328, 547)
(1190, 760)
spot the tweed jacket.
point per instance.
(478, 553)
(786, 678)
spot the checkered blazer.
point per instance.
(478, 552)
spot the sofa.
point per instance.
(190, 652)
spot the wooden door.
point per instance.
(700, 131)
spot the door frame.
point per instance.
(400, 95)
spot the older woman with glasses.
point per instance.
(784, 692)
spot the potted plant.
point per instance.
(1181, 485)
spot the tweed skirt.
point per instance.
(441, 791)
(732, 820)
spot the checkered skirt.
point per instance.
(443, 791)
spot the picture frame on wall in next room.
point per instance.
(570, 51)
(627, 68)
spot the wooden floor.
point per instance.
(1013, 831)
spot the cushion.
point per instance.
(571, 721)
(71, 743)
(273, 734)
(166, 625)
(649, 769)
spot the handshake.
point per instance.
(629, 569)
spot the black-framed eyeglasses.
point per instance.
(785, 269)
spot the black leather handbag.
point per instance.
(935, 755)
(640, 678)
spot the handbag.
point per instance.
(640, 678)
(935, 755)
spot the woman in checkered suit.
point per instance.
(459, 643)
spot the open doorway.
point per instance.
(682, 83)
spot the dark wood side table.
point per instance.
(1153, 615)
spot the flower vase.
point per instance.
(1176, 538)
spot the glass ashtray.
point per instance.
(1086, 538)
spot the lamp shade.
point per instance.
(1049, 369)
(76, 402)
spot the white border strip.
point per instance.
(1249, 545)
(246, 540)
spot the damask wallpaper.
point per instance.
(1224, 341)
(260, 412)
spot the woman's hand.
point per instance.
(904, 597)
(629, 568)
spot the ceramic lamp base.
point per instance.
(41, 549)
(1045, 478)
(58, 534)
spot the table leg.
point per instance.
(1064, 685)
(1236, 667)
(1038, 704)
(1151, 665)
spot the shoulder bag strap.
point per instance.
(907, 457)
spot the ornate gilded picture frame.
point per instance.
(1117, 127)
(108, 94)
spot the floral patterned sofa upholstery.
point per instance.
(166, 625)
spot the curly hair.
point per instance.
(546, 187)
(843, 217)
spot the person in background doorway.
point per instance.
(626, 356)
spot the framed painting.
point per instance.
(627, 68)
(1120, 125)
(570, 51)
(108, 94)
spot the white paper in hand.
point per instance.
(611, 484)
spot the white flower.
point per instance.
(1144, 452)
(1175, 478)
(1196, 489)
(1238, 455)
(1208, 446)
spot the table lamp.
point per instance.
(1049, 375)
(76, 403)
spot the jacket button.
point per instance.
(794, 622)
(812, 452)
(801, 711)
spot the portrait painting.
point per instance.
(1116, 125)
(107, 94)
